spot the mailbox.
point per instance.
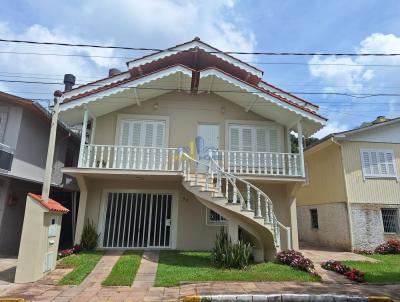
(39, 239)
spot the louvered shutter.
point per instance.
(274, 144)
(390, 163)
(148, 134)
(247, 139)
(366, 163)
(378, 163)
(261, 140)
(234, 139)
(159, 137)
(124, 134)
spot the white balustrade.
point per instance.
(130, 158)
(259, 163)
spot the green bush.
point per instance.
(230, 255)
(89, 236)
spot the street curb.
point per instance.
(287, 298)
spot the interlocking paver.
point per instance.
(147, 271)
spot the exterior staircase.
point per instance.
(237, 200)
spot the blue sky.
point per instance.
(247, 25)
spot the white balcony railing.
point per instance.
(169, 159)
(261, 163)
(129, 158)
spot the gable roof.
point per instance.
(36, 109)
(51, 205)
(362, 128)
(188, 46)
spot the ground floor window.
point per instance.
(390, 218)
(213, 218)
(314, 218)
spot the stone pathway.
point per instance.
(146, 274)
(319, 255)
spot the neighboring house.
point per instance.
(24, 136)
(145, 174)
(351, 199)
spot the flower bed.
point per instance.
(389, 247)
(296, 260)
(338, 267)
(67, 252)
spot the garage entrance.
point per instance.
(137, 220)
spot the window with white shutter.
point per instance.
(378, 163)
(254, 138)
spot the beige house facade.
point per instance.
(185, 142)
(351, 198)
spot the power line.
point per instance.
(354, 95)
(249, 62)
(225, 52)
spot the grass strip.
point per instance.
(124, 271)
(82, 263)
(175, 267)
(387, 270)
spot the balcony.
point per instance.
(170, 160)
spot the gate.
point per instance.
(137, 220)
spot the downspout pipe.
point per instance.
(349, 220)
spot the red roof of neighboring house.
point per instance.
(51, 205)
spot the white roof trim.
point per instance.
(91, 86)
(366, 128)
(192, 44)
(288, 96)
(128, 85)
(255, 91)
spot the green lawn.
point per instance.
(175, 267)
(124, 271)
(385, 271)
(82, 263)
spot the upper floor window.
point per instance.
(378, 163)
(254, 138)
(142, 133)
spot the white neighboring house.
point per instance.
(352, 196)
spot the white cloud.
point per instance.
(153, 24)
(356, 75)
(331, 127)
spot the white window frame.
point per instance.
(378, 176)
(139, 117)
(209, 222)
(397, 222)
(253, 124)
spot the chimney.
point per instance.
(113, 72)
(379, 119)
(69, 81)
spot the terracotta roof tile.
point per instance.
(51, 205)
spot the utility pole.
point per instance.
(50, 151)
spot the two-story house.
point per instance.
(24, 137)
(184, 141)
(351, 198)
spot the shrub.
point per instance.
(67, 252)
(89, 237)
(390, 247)
(230, 255)
(355, 275)
(338, 267)
(363, 252)
(297, 260)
